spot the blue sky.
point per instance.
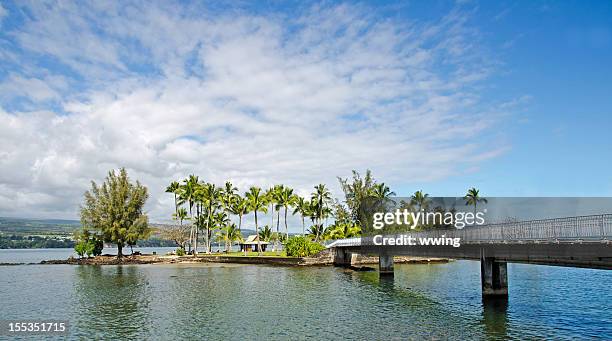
(558, 55)
(510, 97)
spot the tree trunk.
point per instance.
(257, 233)
(277, 230)
(240, 223)
(286, 228)
(272, 214)
(303, 227)
(207, 231)
(119, 250)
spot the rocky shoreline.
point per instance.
(322, 259)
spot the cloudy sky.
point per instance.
(439, 96)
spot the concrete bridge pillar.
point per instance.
(494, 277)
(343, 258)
(385, 265)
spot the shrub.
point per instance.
(80, 248)
(88, 244)
(180, 251)
(302, 247)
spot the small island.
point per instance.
(113, 213)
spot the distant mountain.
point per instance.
(38, 226)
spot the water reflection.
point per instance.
(111, 296)
(495, 317)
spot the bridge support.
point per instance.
(385, 265)
(343, 258)
(494, 277)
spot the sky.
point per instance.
(513, 98)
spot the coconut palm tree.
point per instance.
(472, 198)
(420, 199)
(187, 194)
(239, 207)
(302, 207)
(270, 193)
(220, 221)
(212, 200)
(257, 203)
(382, 191)
(229, 234)
(181, 215)
(274, 195)
(316, 232)
(319, 200)
(174, 189)
(285, 199)
(228, 196)
(265, 234)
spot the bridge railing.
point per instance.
(581, 228)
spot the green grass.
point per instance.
(278, 254)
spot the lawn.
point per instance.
(279, 254)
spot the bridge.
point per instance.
(582, 241)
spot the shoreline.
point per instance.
(323, 259)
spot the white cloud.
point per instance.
(274, 99)
(3, 13)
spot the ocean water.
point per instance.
(236, 302)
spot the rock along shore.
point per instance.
(321, 259)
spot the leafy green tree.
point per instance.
(257, 203)
(472, 198)
(88, 243)
(115, 210)
(356, 192)
(300, 246)
(80, 248)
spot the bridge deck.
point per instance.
(583, 241)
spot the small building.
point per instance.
(251, 243)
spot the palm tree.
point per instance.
(229, 234)
(316, 232)
(319, 200)
(212, 196)
(274, 195)
(420, 199)
(229, 195)
(382, 191)
(187, 194)
(285, 199)
(239, 207)
(270, 198)
(257, 203)
(265, 234)
(472, 198)
(302, 207)
(220, 221)
(181, 215)
(174, 188)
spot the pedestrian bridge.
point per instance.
(582, 241)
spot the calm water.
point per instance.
(440, 301)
